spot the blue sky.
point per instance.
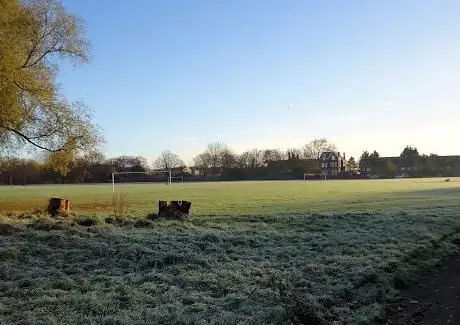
(271, 74)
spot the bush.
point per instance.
(87, 221)
(142, 223)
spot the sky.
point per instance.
(180, 74)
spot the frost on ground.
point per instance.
(298, 268)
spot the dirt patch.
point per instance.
(434, 300)
(41, 204)
(22, 205)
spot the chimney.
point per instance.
(344, 158)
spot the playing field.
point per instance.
(323, 252)
(241, 198)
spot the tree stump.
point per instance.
(162, 205)
(175, 205)
(58, 205)
(185, 207)
(176, 210)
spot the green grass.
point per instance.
(253, 252)
(240, 198)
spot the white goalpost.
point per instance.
(170, 178)
(323, 176)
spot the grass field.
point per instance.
(332, 252)
(241, 198)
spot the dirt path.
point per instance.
(434, 300)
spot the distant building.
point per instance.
(332, 163)
(417, 166)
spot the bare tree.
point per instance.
(227, 158)
(129, 164)
(213, 154)
(273, 155)
(253, 158)
(168, 161)
(314, 148)
(201, 161)
(294, 153)
(217, 155)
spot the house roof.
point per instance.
(327, 155)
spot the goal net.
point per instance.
(176, 179)
(306, 177)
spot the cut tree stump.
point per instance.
(177, 210)
(162, 205)
(185, 207)
(175, 205)
(58, 205)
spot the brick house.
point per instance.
(332, 163)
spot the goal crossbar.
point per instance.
(145, 173)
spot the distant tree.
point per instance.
(217, 155)
(214, 153)
(271, 155)
(19, 171)
(409, 151)
(243, 160)
(28, 171)
(59, 163)
(293, 154)
(251, 159)
(314, 148)
(374, 155)
(374, 161)
(228, 158)
(94, 157)
(351, 164)
(80, 169)
(364, 160)
(409, 156)
(257, 158)
(168, 161)
(8, 169)
(201, 161)
(129, 164)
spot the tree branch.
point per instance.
(45, 53)
(28, 139)
(34, 47)
(41, 38)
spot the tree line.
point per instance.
(409, 163)
(95, 167)
(220, 159)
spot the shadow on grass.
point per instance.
(437, 192)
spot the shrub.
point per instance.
(87, 221)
